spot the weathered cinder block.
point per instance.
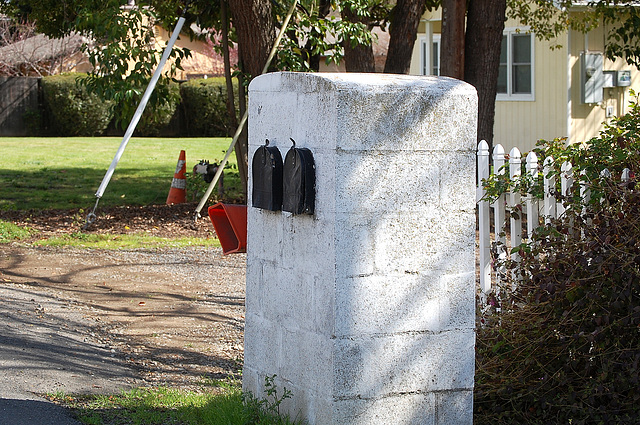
(388, 410)
(369, 366)
(424, 303)
(365, 310)
(380, 179)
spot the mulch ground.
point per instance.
(156, 220)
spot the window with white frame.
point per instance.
(515, 77)
(430, 56)
(435, 55)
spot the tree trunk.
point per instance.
(452, 42)
(243, 140)
(255, 29)
(358, 58)
(485, 24)
(402, 35)
(240, 148)
(231, 108)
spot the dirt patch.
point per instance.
(174, 315)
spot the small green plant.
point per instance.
(9, 232)
(271, 403)
(196, 186)
(214, 403)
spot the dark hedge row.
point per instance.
(70, 110)
(204, 106)
(197, 108)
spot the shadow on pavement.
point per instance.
(30, 412)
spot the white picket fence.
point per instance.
(530, 206)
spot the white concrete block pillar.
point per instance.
(365, 310)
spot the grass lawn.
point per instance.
(227, 405)
(65, 173)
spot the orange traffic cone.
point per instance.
(178, 191)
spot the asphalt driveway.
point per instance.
(47, 345)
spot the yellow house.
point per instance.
(543, 93)
(204, 62)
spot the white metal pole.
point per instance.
(222, 164)
(140, 110)
(243, 121)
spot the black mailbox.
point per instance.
(267, 178)
(299, 181)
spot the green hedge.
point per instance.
(155, 120)
(71, 110)
(205, 110)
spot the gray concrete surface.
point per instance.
(48, 345)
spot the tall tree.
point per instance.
(470, 46)
(470, 51)
(452, 42)
(357, 57)
(403, 30)
(240, 148)
(324, 8)
(255, 30)
(482, 58)
(364, 16)
(547, 20)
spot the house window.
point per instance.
(430, 56)
(515, 77)
(435, 55)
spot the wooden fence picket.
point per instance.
(515, 228)
(483, 218)
(566, 182)
(549, 200)
(532, 201)
(499, 206)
